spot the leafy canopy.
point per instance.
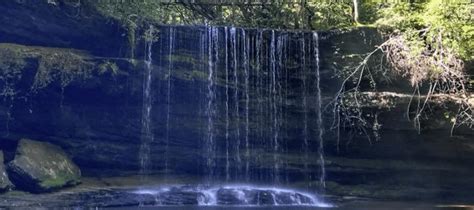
(450, 18)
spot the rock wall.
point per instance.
(62, 24)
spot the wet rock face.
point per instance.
(42, 167)
(5, 183)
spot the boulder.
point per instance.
(42, 167)
(5, 183)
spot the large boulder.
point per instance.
(42, 167)
(5, 183)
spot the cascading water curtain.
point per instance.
(262, 104)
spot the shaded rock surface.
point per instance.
(40, 167)
(63, 24)
(5, 183)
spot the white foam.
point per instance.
(209, 196)
(153, 191)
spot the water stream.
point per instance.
(147, 135)
(227, 117)
(237, 158)
(305, 110)
(211, 96)
(168, 95)
(319, 118)
(246, 47)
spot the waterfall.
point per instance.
(168, 95)
(260, 95)
(249, 78)
(247, 99)
(276, 146)
(203, 46)
(147, 136)
(227, 123)
(279, 96)
(322, 176)
(305, 109)
(233, 38)
(211, 95)
(287, 97)
(255, 99)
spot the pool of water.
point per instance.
(205, 197)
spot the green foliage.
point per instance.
(398, 16)
(131, 27)
(108, 67)
(426, 26)
(455, 22)
(53, 64)
(447, 24)
(452, 18)
(310, 14)
(145, 10)
(63, 66)
(10, 71)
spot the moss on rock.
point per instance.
(53, 64)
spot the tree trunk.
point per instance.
(356, 10)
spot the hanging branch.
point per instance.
(434, 65)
